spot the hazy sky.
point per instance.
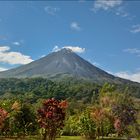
(104, 32)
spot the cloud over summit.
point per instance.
(75, 49)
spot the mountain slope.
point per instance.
(63, 63)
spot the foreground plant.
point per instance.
(3, 116)
(51, 117)
(22, 120)
(87, 126)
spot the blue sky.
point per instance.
(104, 32)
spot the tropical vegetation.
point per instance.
(49, 110)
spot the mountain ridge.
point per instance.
(63, 63)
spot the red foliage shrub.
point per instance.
(3, 116)
(51, 117)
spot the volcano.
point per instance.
(60, 64)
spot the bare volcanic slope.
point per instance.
(63, 63)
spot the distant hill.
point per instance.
(61, 64)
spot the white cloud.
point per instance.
(135, 29)
(51, 10)
(42, 55)
(2, 69)
(75, 26)
(56, 49)
(121, 12)
(106, 4)
(94, 63)
(133, 51)
(4, 48)
(16, 43)
(130, 76)
(75, 49)
(127, 75)
(114, 6)
(7, 56)
(110, 72)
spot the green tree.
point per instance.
(87, 126)
(71, 127)
(22, 120)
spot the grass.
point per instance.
(62, 138)
(80, 138)
(69, 138)
(35, 138)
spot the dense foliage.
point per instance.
(112, 114)
(35, 107)
(35, 88)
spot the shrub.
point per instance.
(71, 127)
(87, 126)
(51, 117)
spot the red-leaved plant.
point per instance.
(3, 116)
(51, 117)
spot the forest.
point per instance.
(38, 108)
